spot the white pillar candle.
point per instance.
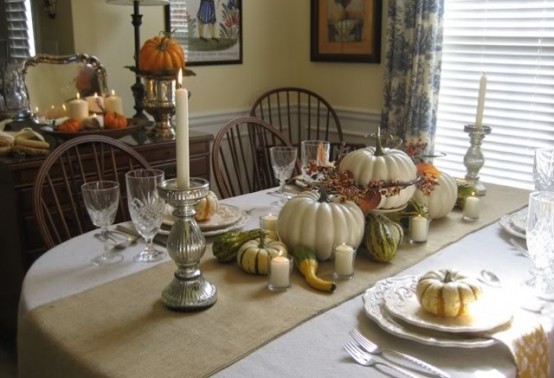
(113, 103)
(182, 133)
(77, 109)
(418, 229)
(481, 102)
(268, 222)
(95, 104)
(344, 260)
(471, 207)
(279, 273)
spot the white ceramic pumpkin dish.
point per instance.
(226, 216)
(374, 306)
(491, 311)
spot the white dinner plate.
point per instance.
(519, 220)
(374, 306)
(492, 310)
(218, 231)
(507, 224)
(225, 217)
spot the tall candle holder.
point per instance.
(188, 291)
(474, 158)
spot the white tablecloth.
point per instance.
(314, 348)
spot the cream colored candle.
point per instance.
(113, 103)
(344, 260)
(418, 229)
(77, 109)
(481, 102)
(279, 273)
(182, 133)
(95, 104)
(268, 222)
(471, 207)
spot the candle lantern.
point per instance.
(159, 102)
(279, 268)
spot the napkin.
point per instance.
(528, 344)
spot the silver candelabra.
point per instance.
(474, 159)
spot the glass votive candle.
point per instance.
(279, 273)
(471, 208)
(268, 222)
(419, 229)
(345, 256)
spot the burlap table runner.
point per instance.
(121, 329)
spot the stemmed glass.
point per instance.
(314, 152)
(146, 208)
(101, 199)
(543, 169)
(282, 162)
(540, 242)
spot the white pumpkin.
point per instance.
(442, 198)
(206, 207)
(382, 164)
(309, 220)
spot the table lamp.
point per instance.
(138, 87)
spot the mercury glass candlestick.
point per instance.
(188, 291)
(159, 102)
(474, 159)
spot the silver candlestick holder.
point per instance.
(474, 158)
(188, 291)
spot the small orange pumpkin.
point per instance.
(70, 125)
(161, 54)
(114, 120)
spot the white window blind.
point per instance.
(20, 29)
(512, 41)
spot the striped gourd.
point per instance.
(253, 256)
(382, 237)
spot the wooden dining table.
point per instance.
(76, 319)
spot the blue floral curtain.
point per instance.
(412, 71)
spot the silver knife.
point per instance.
(373, 348)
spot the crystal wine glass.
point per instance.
(146, 208)
(101, 199)
(282, 162)
(543, 169)
(540, 242)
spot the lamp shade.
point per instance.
(141, 2)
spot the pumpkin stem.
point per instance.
(447, 276)
(378, 146)
(324, 195)
(262, 237)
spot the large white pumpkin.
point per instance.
(304, 220)
(442, 198)
(382, 164)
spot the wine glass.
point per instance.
(540, 242)
(101, 199)
(543, 169)
(282, 162)
(146, 208)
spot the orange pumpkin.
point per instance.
(114, 120)
(70, 125)
(160, 54)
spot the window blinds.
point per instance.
(512, 42)
(20, 33)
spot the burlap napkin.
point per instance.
(528, 344)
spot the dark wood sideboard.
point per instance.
(159, 153)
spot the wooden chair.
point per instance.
(240, 156)
(298, 113)
(57, 200)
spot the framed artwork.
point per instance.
(210, 31)
(346, 31)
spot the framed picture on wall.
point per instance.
(210, 31)
(346, 31)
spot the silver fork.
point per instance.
(373, 348)
(365, 359)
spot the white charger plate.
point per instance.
(490, 312)
(374, 306)
(225, 217)
(507, 224)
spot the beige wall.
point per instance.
(53, 35)
(276, 52)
